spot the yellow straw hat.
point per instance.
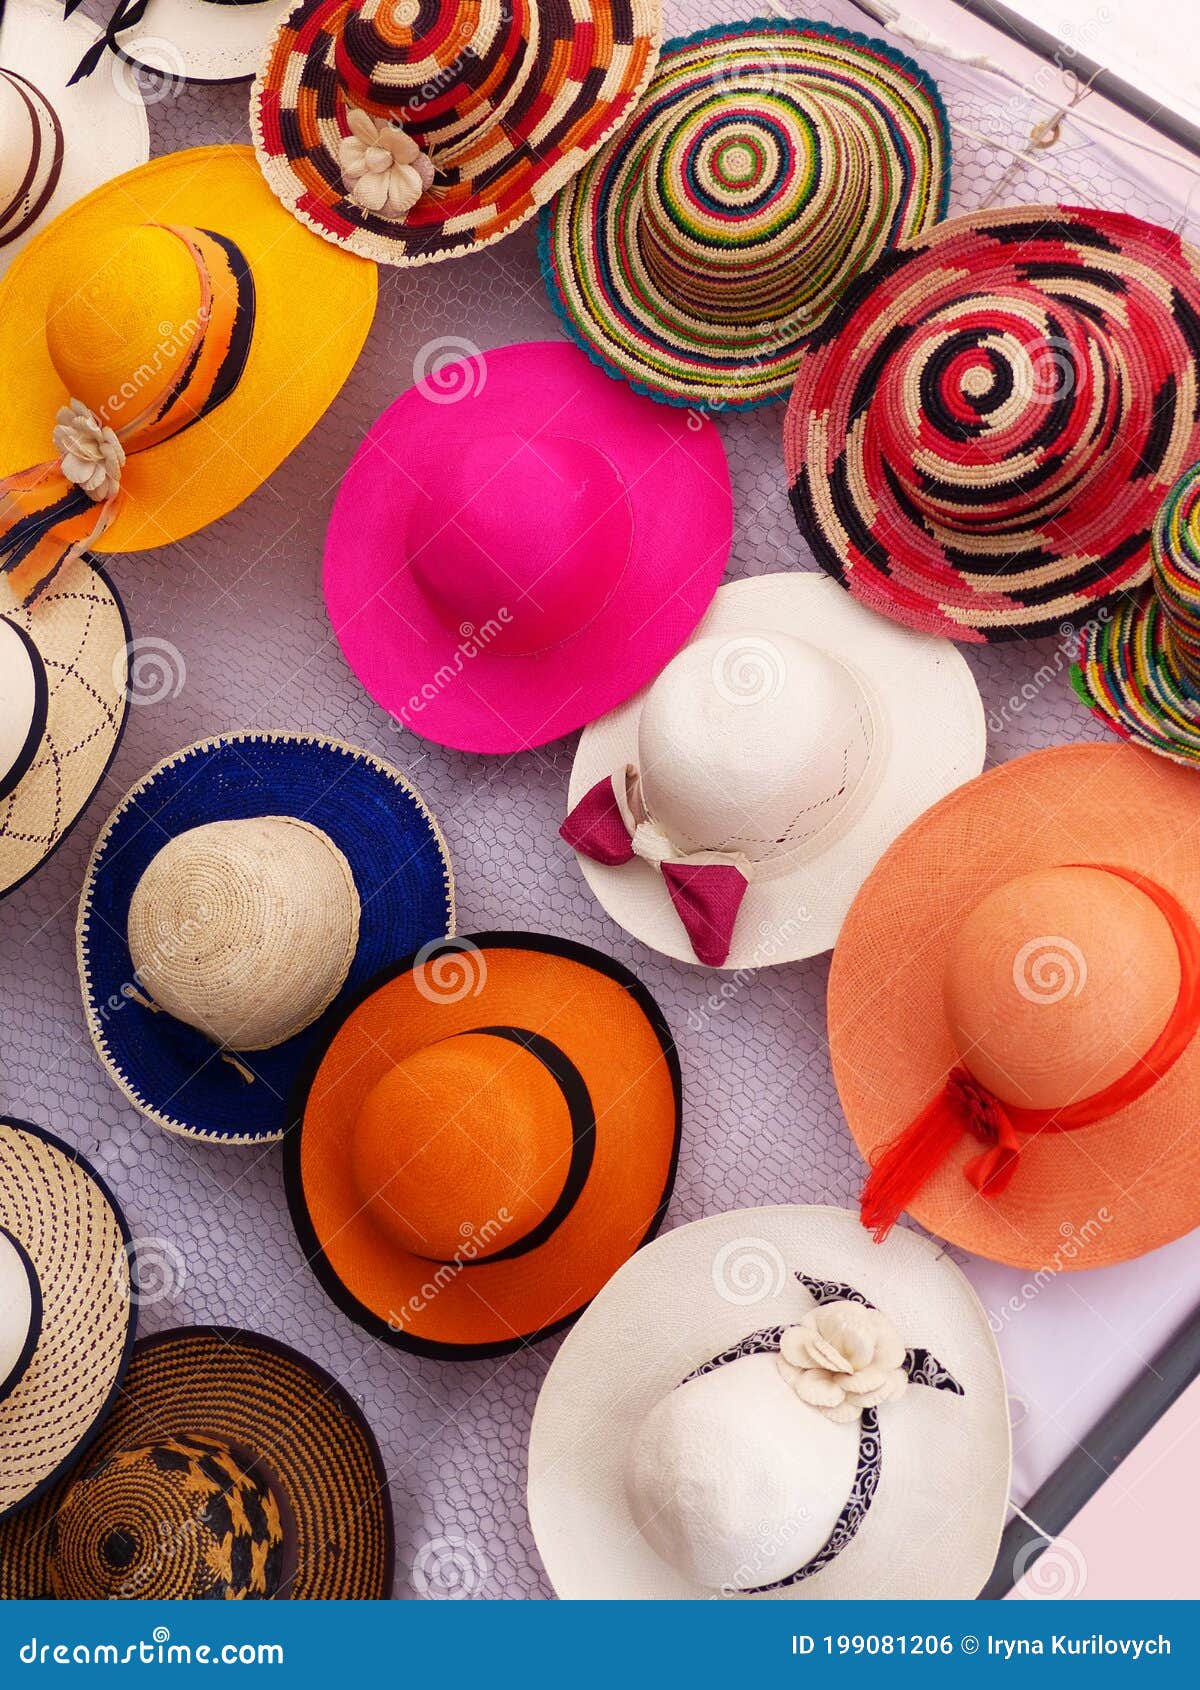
(165, 344)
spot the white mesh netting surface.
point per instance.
(232, 633)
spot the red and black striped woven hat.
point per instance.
(414, 130)
(983, 431)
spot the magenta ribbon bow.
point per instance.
(706, 894)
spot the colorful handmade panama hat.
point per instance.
(57, 142)
(409, 132)
(768, 164)
(193, 40)
(1013, 1010)
(503, 568)
(66, 1309)
(231, 1468)
(729, 813)
(238, 898)
(481, 1140)
(1139, 668)
(171, 386)
(63, 703)
(984, 429)
(764, 1404)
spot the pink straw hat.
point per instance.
(521, 547)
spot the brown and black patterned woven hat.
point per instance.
(232, 1469)
(66, 1310)
(983, 431)
(414, 130)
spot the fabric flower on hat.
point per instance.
(92, 457)
(843, 1357)
(383, 168)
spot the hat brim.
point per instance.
(677, 480)
(891, 1047)
(81, 633)
(609, 299)
(106, 130)
(1141, 284)
(70, 1226)
(185, 39)
(313, 308)
(608, 1026)
(258, 1396)
(935, 1522)
(169, 1071)
(931, 737)
(580, 90)
(1127, 680)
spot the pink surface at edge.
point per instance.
(1134, 1540)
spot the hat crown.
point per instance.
(22, 703)
(1175, 560)
(743, 215)
(184, 1518)
(18, 1311)
(245, 929)
(997, 412)
(30, 153)
(518, 544)
(760, 744)
(462, 1148)
(443, 69)
(118, 336)
(736, 1482)
(1057, 982)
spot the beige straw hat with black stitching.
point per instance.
(66, 1308)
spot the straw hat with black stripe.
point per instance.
(481, 1141)
(231, 1468)
(66, 1309)
(64, 664)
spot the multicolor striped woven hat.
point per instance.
(769, 163)
(982, 435)
(1139, 669)
(414, 130)
(231, 1468)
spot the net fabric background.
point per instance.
(230, 632)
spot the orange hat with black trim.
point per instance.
(487, 1135)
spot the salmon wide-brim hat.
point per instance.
(68, 1229)
(312, 310)
(930, 1528)
(278, 1415)
(559, 86)
(1126, 1183)
(522, 642)
(100, 125)
(983, 429)
(599, 1040)
(77, 641)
